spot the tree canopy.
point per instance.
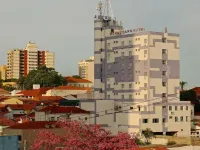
(189, 95)
(46, 77)
(80, 136)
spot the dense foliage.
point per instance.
(189, 95)
(80, 136)
(46, 77)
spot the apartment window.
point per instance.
(145, 52)
(139, 108)
(109, 86)
(145, 85)
(122, 43)
(130, 85)
(145, 40)
(122, 85)
(155, 120)
(145, 121)
(164, 51)
(145, 74)
(176, 107)
(101, 59)
(138, 39)
(145, 96)
(108, 45)
(186, 118)
(164, 73)
(164, 40)
(164, 84)
(181, 118)
(164, 120)
(181, 107)
(170, 117)
(130, 96)
(164, 95)
(130, 53)
(176, 119)
(170, 107)
(108, 96)
(122, 54)
(186, 107)
(164, 62)
(122, 96)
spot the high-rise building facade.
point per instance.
(135, 65)
(3, 72)
(86, 69)
(21, 61)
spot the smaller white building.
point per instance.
(172, 118)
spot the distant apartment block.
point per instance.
(135, 65)
(3, 72)
(86, 69)
(21, 61)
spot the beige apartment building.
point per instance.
(21, 61)
(3, 72)
(86, 69)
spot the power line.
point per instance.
(121, 110)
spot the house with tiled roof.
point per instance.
(64, 91)
(16, 111)
(54, 113)
(78, 82)
(28, 131)
(34, 93)
(4, 92)
(197, 91)
(5, 122)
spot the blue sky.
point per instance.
(66, 27)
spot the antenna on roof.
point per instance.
(108, 13)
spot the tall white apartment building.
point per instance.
(86, 69)
(21, 61)
(135, 65)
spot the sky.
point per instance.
(66, 28)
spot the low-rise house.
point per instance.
(55, 113)
(64, 91)
(34, 93)
(27, 132)
(5, 122)
(10, 100)
(79, 82)
(15, 111)
(4, 92)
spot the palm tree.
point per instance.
(183, 84)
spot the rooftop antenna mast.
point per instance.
(99, 9)
(108, 13)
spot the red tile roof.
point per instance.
(22, 106)
(76, 80)
(152, 148)
(6, 122)
(3, 92)
(63, 109)
(34, 125)
(49, 98)
(35, 92)
(72, 88)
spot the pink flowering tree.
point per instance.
(80, 136)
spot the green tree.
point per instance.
(189, 95)
(76, 76)
(9, 88)
(46, 77)
(148, 134)
(183, 84)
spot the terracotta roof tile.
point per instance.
(34, 125)
(22, 106)
(76, 80)
(49, 98)
(6, 122)
(35, 92)
(72, 88)
(62, 109)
